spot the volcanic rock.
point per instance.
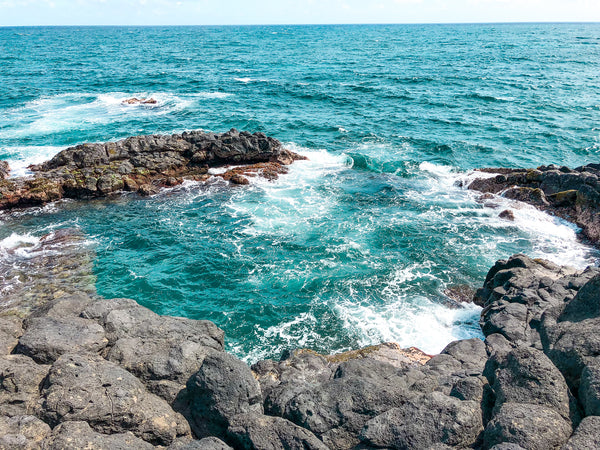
(145, 163)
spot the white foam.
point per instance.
(216, 95)
(21, 157)
(20, 245)
(292, 200)
(16, 240)
(550, 237)
(410, 321)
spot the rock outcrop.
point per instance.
(143, 164)
(572, 194)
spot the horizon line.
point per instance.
(526, 22)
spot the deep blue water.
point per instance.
(354, 246)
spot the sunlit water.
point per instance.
(352, 247)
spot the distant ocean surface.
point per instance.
(354, 246)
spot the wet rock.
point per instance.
(256, 431)
(460, 293)
(79, 435)
(223, 388)
(239, 179)
(4, 170)
(20, 382)
(507, 214)
(425, 421)
(530, 426)
(571, 194)
(60, 264)
(110, 399)
(47, 338)
(139, 101)
(533, 196)
(586, 436)
(22, 432)
(11, 330)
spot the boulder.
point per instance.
(67, 307)
(163, 358)
(47, 338)
(569, 333)
(518, 291)
(22, 433)
(258, 432)
(586, 436)
(11, 330)
(4, 170)
(110, 399)
(532, 427)
(223, 388)
(79, 435)
(589, 390)
(20, 382)
(424, 421)
(470, 353)
(337, 409)
(139, 322)
(526, 375)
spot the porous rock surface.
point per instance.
(135, 379)
(143, 164)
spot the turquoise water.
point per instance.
(352, 247)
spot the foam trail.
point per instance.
(83, 111)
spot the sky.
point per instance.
(236, 12)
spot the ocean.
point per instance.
(358, 244)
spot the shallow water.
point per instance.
(355, 245)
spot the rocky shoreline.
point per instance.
(572, 194)
(80, 371)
